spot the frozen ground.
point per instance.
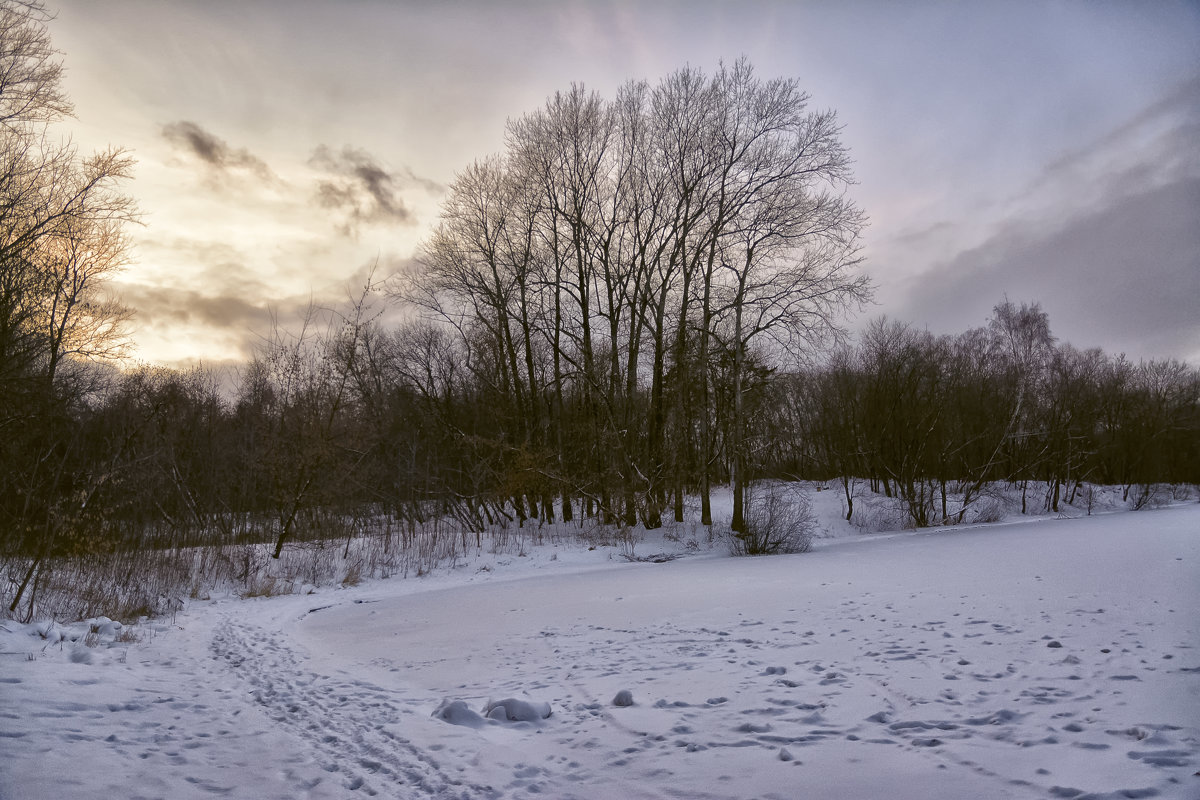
(1047, 659)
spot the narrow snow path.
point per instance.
(348, 723)
(154, 719)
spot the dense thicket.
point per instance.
(617, 312)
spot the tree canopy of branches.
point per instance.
(627, 273)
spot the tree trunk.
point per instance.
(738, 459)
(33, 566)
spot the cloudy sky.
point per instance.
(1035, 150)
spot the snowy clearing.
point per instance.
(1056, 658)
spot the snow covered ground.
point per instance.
(1045, 659)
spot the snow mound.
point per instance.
(513, 710)
(508, 710)
(456, 712)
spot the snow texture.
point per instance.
(911, 665)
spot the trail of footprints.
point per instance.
(150, 729)
(957, 679)
(786, 707)
(345, 722)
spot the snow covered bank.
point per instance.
(1050, 659)
(128, 584)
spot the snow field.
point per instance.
(1050, 659)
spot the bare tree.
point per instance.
(790, 243)
(60, 239)
(618, 238)
(30, 69)
(1022, 340)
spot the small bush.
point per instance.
(1153, 495)
(1182, 492)
(127, 635)
(873, 514)
(990, 509)
(778, 522)
(267, 586)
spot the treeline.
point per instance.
(924, 417)
(347, 419)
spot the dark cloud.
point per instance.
(362, 189)
(159, 306)
(1125, 278)
(241, 323)
(1105, 238)
(239, 308)
(1157, 146)
(213, 151)
(1174, 117)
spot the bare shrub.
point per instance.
(123, 585)
(990, 509)
(1089, 498)
(1152, 495)
(267, 586)
(778, 522)
(127, 635)
(628, 541)
(1183, 492)
(874, 514)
